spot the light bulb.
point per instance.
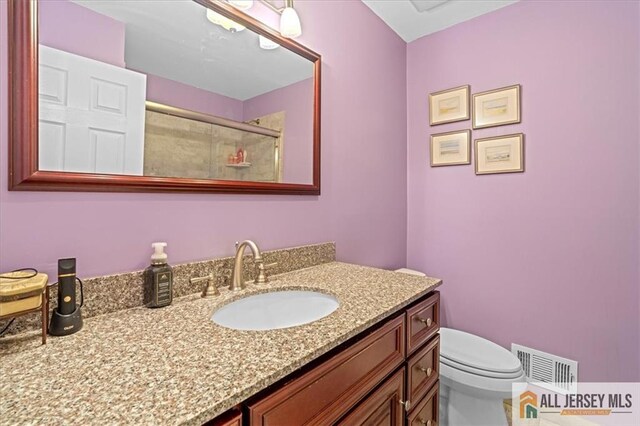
(290, 23)
(241, 4)
(225, 23)
(267, 43)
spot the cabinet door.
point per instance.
(382, 407)
(326, 393)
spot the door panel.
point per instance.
(102, 109)
(52, 145)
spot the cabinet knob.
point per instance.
(427, 321)
(427, 422)
(406, 404)
(428, 371)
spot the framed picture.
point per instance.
(496, 107)
(449, 105)
(451, 148)
(501, 154)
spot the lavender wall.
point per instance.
(76, 29)
(297, 102)
(363, 201)
(548, 258)
(174, 93)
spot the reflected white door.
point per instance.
(91, 115)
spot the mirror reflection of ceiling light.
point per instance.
(267, 43)
(224, 22)
(241, 4)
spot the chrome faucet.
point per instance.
(237, 279)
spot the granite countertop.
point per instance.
(173, 365)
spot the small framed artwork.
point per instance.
(496, 107)
(451, 148)
(449, 105)
(501, 154)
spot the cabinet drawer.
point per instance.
(423, 321)
(230, 418)
(425, 412)
(382, 407)
(324, 394)
(423, 369)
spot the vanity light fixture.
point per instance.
(289, 20)
(224, 22)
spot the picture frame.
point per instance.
(450, 148)
(499, 154)
(450, 105)
(497, 107)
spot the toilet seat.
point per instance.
(475, 355)
(479, 372)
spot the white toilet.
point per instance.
(475, 377)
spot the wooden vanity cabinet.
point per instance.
(388, 375)
(383, 406)
(324, 394)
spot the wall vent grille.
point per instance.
(546, 370)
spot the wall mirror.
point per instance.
(157, 95)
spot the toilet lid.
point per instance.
(481, 356)
(479, 372)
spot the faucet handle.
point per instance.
(210, 290)
(262, 276)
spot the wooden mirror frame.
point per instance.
(23, 120)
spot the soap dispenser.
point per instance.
(158, 279)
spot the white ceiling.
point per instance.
(174, 40)
(412, 19)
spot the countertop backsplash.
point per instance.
(116, 292)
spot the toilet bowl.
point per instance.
(476, 375)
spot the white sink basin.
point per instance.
(270, 311)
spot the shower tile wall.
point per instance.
(176, 147)
(180, 147)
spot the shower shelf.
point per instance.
(239, 165)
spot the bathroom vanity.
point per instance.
(384, 375)
(375, 358)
